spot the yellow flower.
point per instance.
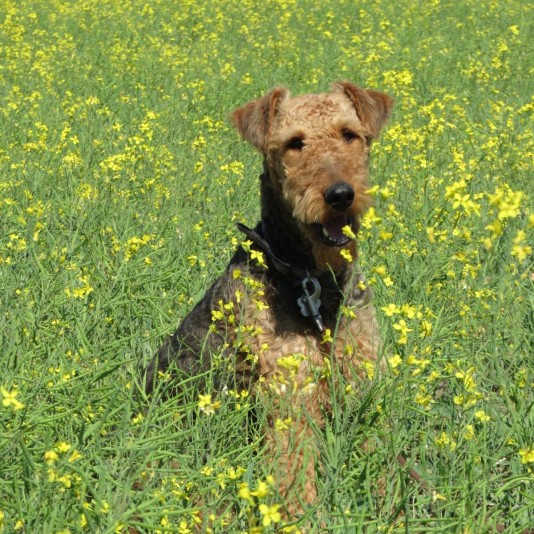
(508, 202)
(469, 432)
(388, 282)
(519, 250)
(444, 441)
(291, 362)
(380, 270)
(260, 305)
(206, 405)
(495, 228)
(386, 193)
(207, 471)
(455, 188)
(410, 311)
(468, 378)
(403, 329)
(184, 528)
(204, 400)
(527, 454)
(346, 255)
(327, 336)
(371, 219)
(347, 230)
(395, 361)
(9, 399)
(51, 457)
(246, 245)
(217, 315)
(423, 398)
(464, 201)
(369, 369)
(482, 416)
(390, 309)
(74, 456)
(80, 292)
(103, 507)
(62, 446)
(258, 256)
(385, 235)
(261, 491)
(245, 494)
(426, 328)
(270, 514)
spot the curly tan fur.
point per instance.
(315, 150)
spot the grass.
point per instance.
(120, 183)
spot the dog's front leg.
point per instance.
(295, 417)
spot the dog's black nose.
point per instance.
(339, 195)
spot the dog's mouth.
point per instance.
(331, 231)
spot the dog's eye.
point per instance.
(296, 143)
(349, 136)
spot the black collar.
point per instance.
(283, 267)
(309, 303)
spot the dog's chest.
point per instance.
(277, 336)
(267, 330)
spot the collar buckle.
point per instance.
(309, 303)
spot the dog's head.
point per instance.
(316, 148)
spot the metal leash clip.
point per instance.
(310, 303)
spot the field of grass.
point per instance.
(120, 184)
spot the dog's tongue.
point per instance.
(334, 227)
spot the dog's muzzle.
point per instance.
(331, 231)
(339, 196)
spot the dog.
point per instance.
(292, 303)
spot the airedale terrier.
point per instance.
(291, 303)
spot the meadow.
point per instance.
(121, 180)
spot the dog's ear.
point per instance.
(373, 108)
(253, 120)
